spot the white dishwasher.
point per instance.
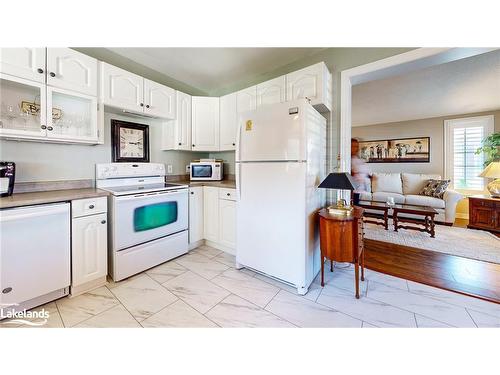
(34, 255)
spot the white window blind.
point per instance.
(462, 138)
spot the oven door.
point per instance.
(140, 218)
(202, 171)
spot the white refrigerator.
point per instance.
(280, 161)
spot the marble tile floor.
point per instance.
(203, 289)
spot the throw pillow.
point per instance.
(435, 188)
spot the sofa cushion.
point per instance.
(381, 196)
(387, 182)
(422, 200)
(413, 183)
(435, 188)
(365, 196)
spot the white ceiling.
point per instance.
(463, 86)
(210, 69)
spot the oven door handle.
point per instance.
(150, 195)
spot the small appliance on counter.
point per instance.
(206, 170)
(7, 178)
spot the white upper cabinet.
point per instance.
(247, 99)
(159, 100)
(205, 123)
(72, 70)
(228, 122)
(271, 92)
(177, 133)
(121, 89)
(27, 63)
(314, 83)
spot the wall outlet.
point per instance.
(188, 168)
(169, 168)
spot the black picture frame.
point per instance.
(116, 125)
(414, 156)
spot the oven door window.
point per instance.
(202, 171)
(155, 215)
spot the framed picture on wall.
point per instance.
(400, 150)
(129, 142)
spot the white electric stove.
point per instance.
(148, 218)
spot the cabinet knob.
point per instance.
(228, 194)
(7, 290)
(43, 127)
(40, 70)
(234, 144)
(52, 74)
(192, 193)
(142, 104)
(103, 221)
(50, 128)
(147, 105)
(193, 146)
(180, 144)
(91, 206)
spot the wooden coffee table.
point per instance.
(427, 221)
(375, 218)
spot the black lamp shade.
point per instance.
(340, 181)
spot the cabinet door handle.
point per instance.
(103, 221)
(142, 104)
(43, 127)
(228, 194)
(147, 105)
(7, 290)
(91, 206)
(40, 70)
(52, 74)
(180, 144)
(50, 128)
(234, 144)
(192, 192)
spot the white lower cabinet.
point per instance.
(212, 217)
(195, 214)
(211, 213)
(89, 245)
(227, 223)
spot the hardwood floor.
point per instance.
(465, 276)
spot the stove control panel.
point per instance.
(124, 170)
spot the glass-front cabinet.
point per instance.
(74, 116)
(22, 107)
(32, 110)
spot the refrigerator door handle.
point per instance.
(238, 181)
(238, 142)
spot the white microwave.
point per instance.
(206, 170)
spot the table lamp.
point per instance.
(339, 181)
(493, 171)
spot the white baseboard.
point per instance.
(220, 247)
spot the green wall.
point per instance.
(113, 58)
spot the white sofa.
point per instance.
(405, 188)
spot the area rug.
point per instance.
(467, 243)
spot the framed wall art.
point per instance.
(400, 150)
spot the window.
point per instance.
(463, 137)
